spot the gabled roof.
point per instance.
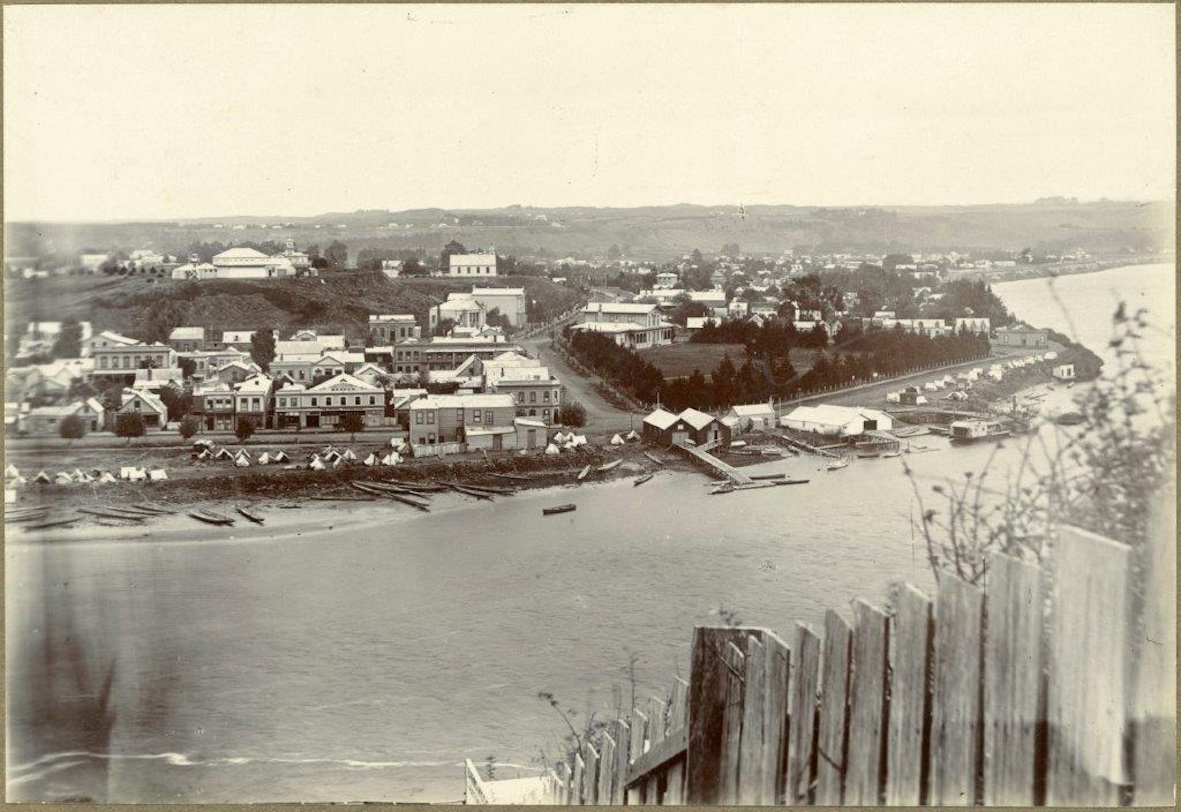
(498, 291)
(752, 409)
(259, 384)
(151, 400)
(240, 253)
(343, 381)
(661, 419)
(187, 334)
(696, 419)
(472, 259)
(463, 402)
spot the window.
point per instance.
(459, 416)
(418, 418)
(372, 400)
(545, 396)
(328, 402)
(545, 413)
(431, 438)
(314, 401)
(532, 397)
(357, 400)
(488, 417)
(555, 396)
(430, 419)
(520, 397)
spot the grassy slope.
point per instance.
(335, 302)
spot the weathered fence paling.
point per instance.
(1026, 689)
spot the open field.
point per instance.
(679, 360)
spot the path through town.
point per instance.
(601, 416)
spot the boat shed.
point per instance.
(666, 428)
(836, 421)
(752, 417)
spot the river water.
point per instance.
(365, 664)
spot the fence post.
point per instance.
(805, 699)
(590, 775)
(764, 720)
(830, 769)
(908, 746)
(955, 725)
(709, 691)
(622, 761)
(639, 733)
(576, 781)
(1154, 710)
(1088, 700)
(1014, 608)
(868, 706)
(606, 769)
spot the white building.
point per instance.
(839, 421)
(509, 301)
(472, 265)
(631, 325)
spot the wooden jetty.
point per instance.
(729, 471)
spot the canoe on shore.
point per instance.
(791, 481)
(248, 515)
(602, 469)
(654, 458)
(385, 487)
(514, 477)
(492, 489)
(550, 511)
(113, 513)
(154, 509)
(768, 476)
(210, 518)
(640, 480)
(418, 486)
(404, 498)
(582, 474)
(54, 523)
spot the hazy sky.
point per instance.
(119, 112)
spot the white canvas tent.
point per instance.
(279, 456)
(616, 440)
(317, 464)
(10, 471)
(264, 458)
(349, 455)
(552, 449)
(371, 460)
(107, 478)
(43, 477)
(157, 475)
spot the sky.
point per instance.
(193, 111)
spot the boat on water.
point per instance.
(608, 466)
(791, 482)
(254, 517)
(550, 511)
(582, 474)
(837, 465)
(974, 431)
(210, 518)
(768, 476)
(640, 480)
(889, 454)
(868, 455)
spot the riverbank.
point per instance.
(220, 485)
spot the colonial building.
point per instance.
(252, 400)
(418, 355)
(394, 327)
(535, 392)
(635, 326)
(509, 301)
(837, 421)
(461, 309)
(979, 326)
(472, 265)
(665, 428)
(213, 405)
(1021, 335)
(438, 419)
(325, 404)
(146, 405)
(120, 361)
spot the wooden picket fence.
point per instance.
(1038, 688)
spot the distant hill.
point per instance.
(1053, 225)
(334, 302)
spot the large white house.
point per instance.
(509, 301)
(840, 421)
(246, 263)
(631, 325)
(472, 265)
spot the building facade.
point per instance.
(471, 265)
(438, 419)
(635, 326)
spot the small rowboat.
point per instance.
(640, 480)
(890, 454)
(725, 487)
(791, 482)
(837, 465)
(602, 469)
(654, 458)
(53, 523)
(515, 477)
(550, 511)
(767, 476)
(251, 516)
(210, 518)
(582, 474)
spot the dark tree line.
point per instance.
(771, 339)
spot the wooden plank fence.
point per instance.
(1037, 687)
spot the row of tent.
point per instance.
(128, 473)
(242, 458)
(619, 439)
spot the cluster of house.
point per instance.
(502, 398)
(698, 428)
(247, 263)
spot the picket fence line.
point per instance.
(1037, 688)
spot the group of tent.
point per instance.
(95, 476)
(624, 438)
(567, 442)
(241, 458)
(332, 457)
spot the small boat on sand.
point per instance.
(640, 480)
(210, 518)
(791, 482)
(837, 465)
(254, 517)
(654, 458)
(550, 511)
(154, 509)
(768, 476)
(602, 469)
(113, 513)
(582, 474)
(725, 487)
(53, 523)
(515, 477)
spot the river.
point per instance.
(366, 664)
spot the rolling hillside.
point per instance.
(335, 303)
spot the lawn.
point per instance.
(679, 360)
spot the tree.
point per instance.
(189, 426)
(187, 367)
(444, 327)
(129, 425)
(352, 422)
(72, 428)
(244, 429)
(731, 250)
(412, 267)
(262, 348)
(614, 253)
(178, 403)
(337, 255)
(572, 414)
(494, 318)
(69, 340)
(453, 247)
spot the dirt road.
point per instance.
(601, 416)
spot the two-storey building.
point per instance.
(118, 362)
(325, 404)
(630, 325)
(252, 401)
(213, 406)
(438, 419)
(535, 392)
(393, 327)
(187, 339)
